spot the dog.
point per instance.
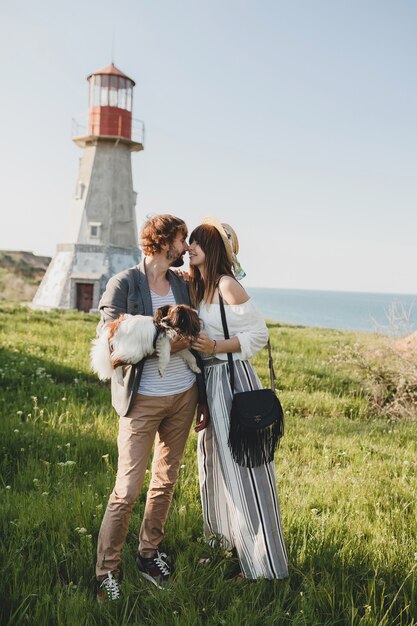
(131, 338)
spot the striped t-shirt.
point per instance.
(177, 378)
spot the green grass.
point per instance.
(346, 480)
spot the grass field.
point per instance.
(346, 481)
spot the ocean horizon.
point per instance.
(341, 310)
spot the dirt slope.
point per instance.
(20, 274)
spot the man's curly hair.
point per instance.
(160, 230)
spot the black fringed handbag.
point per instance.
(256, 417)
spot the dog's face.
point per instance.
(181, 318)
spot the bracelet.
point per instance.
(213, 352)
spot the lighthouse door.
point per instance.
(85, 296)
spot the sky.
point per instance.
(292, 120)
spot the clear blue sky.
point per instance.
(295, 121)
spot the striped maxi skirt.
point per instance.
(240, 504)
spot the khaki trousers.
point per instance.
(165, 420)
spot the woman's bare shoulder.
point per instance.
(232, 291)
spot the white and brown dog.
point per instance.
(130, 338)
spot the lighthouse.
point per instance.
(101, 236)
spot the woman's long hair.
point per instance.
(216, 264)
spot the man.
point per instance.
(151, 409)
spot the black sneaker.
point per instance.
(155, 569)
(108, 589)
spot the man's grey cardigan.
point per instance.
(128, 292)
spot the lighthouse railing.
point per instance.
(80, 128)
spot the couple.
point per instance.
(240, 506)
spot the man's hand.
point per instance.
(178, 344)
(202, 418)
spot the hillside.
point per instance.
(346, 475)
(20, 274)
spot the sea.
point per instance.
(391, 314)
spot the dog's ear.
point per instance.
(185, 321)
(113, 326)
(161, 312)
(196, 323)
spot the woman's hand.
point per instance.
(181, 273)
(203, 343)
(202, 418)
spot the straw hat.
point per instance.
(230, 240)
(231, 243)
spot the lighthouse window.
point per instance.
(129, 99)
(113, 91)
(122, 93)
(94, 230)
(95, 91)
(79, 192)
(104, 99)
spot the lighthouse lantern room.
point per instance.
(101, 235)
(110, 106)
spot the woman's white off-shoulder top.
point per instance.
(244, 321)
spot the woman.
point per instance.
(240, 506)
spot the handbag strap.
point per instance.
(227, 336)
(229, 354)
(271, 366)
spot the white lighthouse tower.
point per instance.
(101, 237)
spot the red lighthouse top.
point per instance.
(111, 70)
(110, 103)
